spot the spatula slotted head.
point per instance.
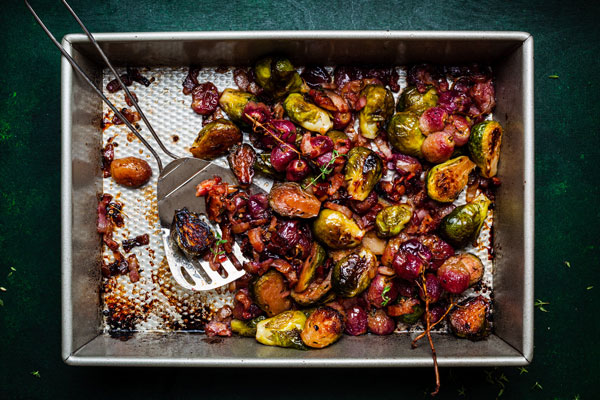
(176, 189)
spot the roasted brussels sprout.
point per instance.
(404, 133)
(271, 293)
(130, 171)
(277, 76)
(462, 225)
(363, 170)
(353, 273)
(470, 320)
(282, 330)
(484, 145)
(378, 109)
(306, 114)
(290, 200)
(233, 103)
(391, 220)
(322, 328)
(241, 162)
(412, 100)
(317, 292)
(407, 309)
(336, 230)
(191, 234)
(216, 139)
(309, 268)
(445, 181)
(246, 328)
(459, 272)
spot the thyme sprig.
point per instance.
(215, 249)
(255, 124)
(325, 169)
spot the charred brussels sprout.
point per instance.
(215, 139)
(336, 230)
(404, 133)
(306, 114)
(271, 293)
(353, 273)
(412, 100)
(391, 220)
(378, 109)
(191, 234)
(277, 76)
(246, 328)
(363, 170)
(484, 145)
(445, 181)
(290, 200)
(323, 327)
(309, 268)
(282, 330)
(233, 103)
(462, 225)
(470, 320)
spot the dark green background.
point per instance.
(566, 361)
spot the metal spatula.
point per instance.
(176, 185)
(177, 189)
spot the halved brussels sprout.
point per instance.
(233, 103)
(363, 170)
(337, 135)
(404, 133)
(277, 76)
(336, 230)
(306, 114)
(262, 164)
(391, 220)
(290, 200)
(309, 268)
(462, 225)
(353, 273)
(282, 330)
(246, 328)
(192, 235)
(317, 292)
(271, 294)
(484, 145)
(445, 181)
(323, 327)
(470, 319)
(215, 139)
(412, 100)
(378, 109)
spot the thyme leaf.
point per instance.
(553, 76)
(36, 374)
(384, 296)
(567, 264)
(539, 304)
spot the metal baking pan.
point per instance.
(510, 54)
